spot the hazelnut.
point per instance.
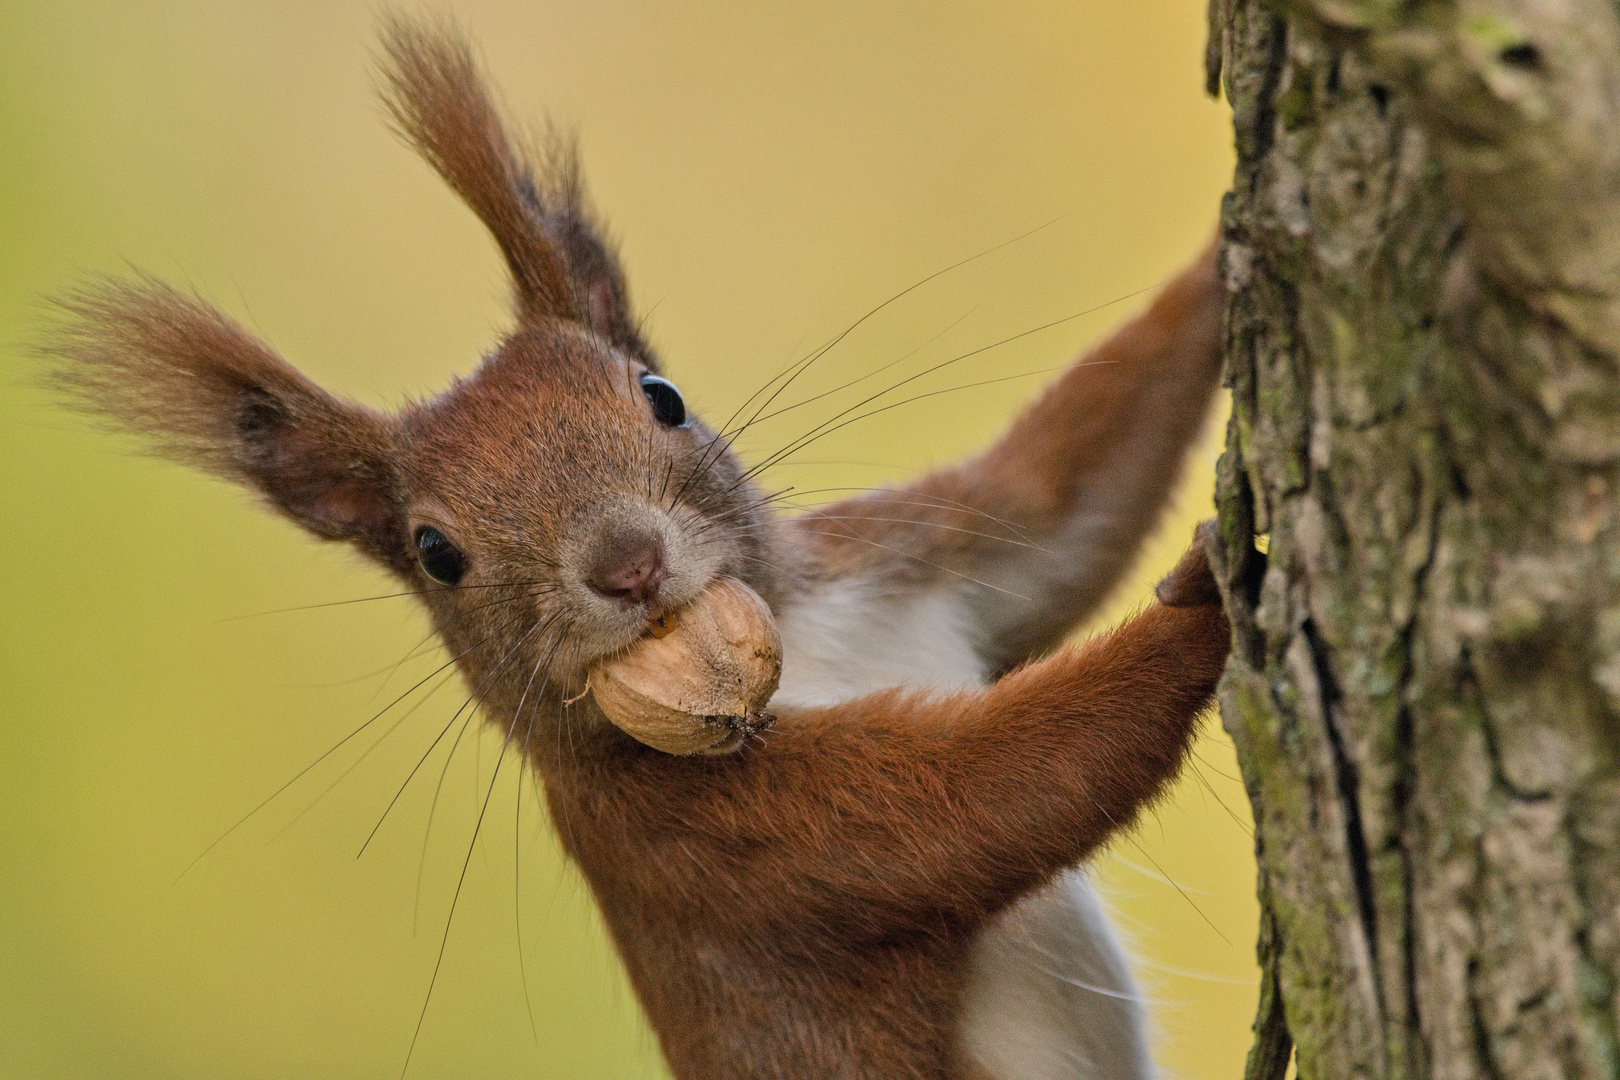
(700, 678)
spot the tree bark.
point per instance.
(1419, 542)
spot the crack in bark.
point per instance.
(1482, 1035)
(1404, 782)
(1407, 730)
(1348, 781)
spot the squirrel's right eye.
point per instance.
(441, 560)
(666, 401)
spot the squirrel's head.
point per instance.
(546, 505)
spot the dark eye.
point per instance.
(441, 560)
(666, 401)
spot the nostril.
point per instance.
(630, 568)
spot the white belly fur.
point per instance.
(1050, 995)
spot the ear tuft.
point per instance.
(557, 197)
(439, 103)
(527, 192)
(197, 388)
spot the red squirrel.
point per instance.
(883, 884)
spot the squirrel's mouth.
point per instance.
(598, 634)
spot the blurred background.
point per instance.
(773, 173)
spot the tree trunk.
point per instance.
(1423, 260)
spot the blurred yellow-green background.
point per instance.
(773, 172)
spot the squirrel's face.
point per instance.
(545, 507)
(559, 498)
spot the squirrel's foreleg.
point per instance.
(1028, 537)
(903, 812)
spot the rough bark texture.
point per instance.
(1423, 257)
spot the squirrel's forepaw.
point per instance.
(1191, 584)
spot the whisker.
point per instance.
(433, 809)
(828, 427)
(305, 770)
(406, 715)
(384, 596)
(818, 354)
(824, 463)
(711, 520)
(870, 374)
(763, 562)
(1209, 788)
(933, 565)
(814, 516)
(496, 670)
(517, 864)
(456, 899)
(420, 649)
(1218, 772)
(430, 643)
(436, 634)
(517, 831)
(946, 363)
(1174, 885)
(438, 789)
(793, 371)
(914, 498)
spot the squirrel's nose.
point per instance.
(630, 568)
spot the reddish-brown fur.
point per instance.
(1107, 439)
(799, 908)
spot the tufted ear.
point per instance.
(437, 98)
(203, 391)
(558, 199)
(530, 197)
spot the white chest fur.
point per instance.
(1050, 996)
(852, 637)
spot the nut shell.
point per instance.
(702, 683)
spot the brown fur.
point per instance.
(1105, 441)
(800, 908)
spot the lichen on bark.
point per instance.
(1422, 251)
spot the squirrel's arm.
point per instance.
(1025, 539)
(903, 812)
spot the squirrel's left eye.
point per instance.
(441, 560)
(667, 405)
